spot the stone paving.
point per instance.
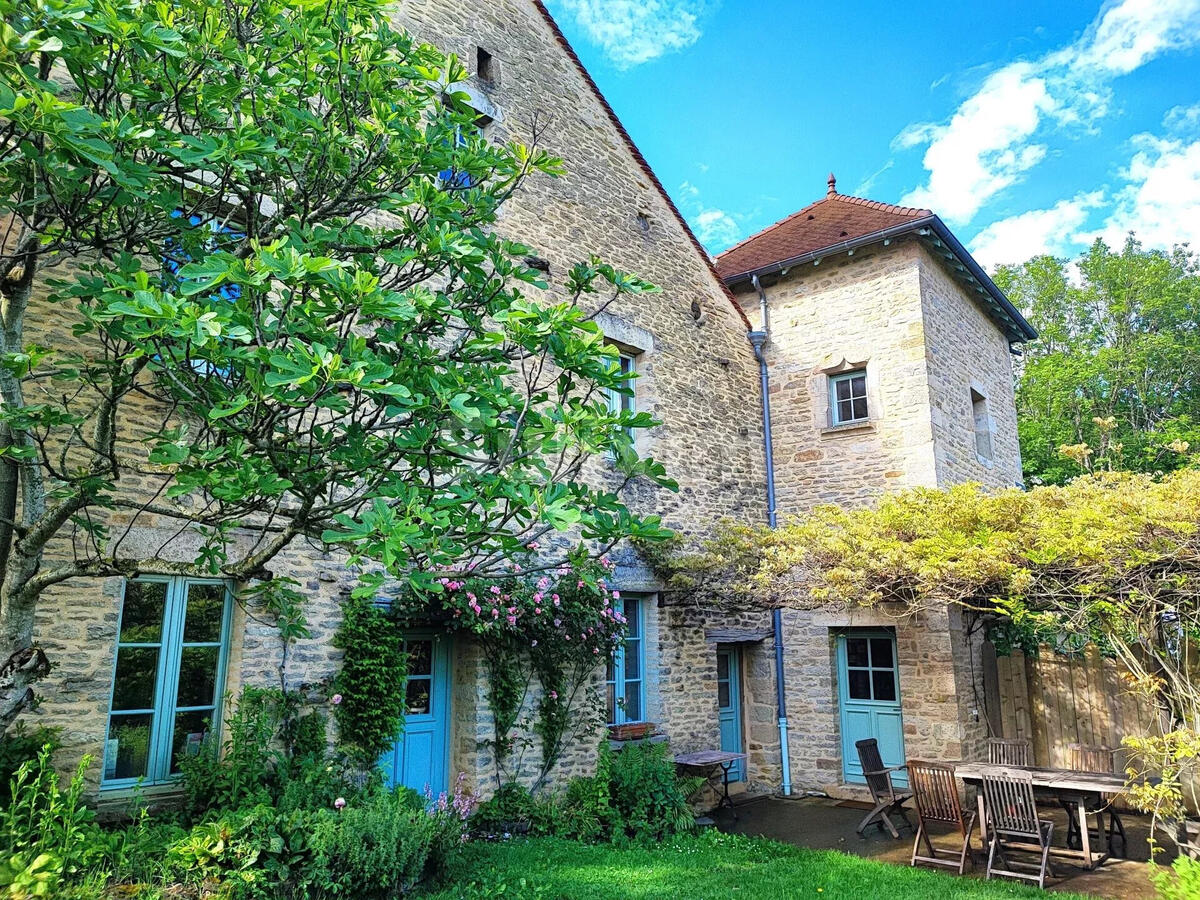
(824, 824)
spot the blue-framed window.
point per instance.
(168, 676)
(626, 670)
(848, 398)
(456, 178)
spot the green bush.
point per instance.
(512, 809)
(375, 849)
(19, 746)
(1181, 881)
(649, 800)
(47, 836)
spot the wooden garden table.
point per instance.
(708, 760)
(1072, 788)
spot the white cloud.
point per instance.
(1056, 230)
(631, 32)
(716, 229)
(1131, 33)
(999, 133)
(1161, 202)
(982, 149)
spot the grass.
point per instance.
(710, 865)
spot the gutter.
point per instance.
(923, 227)
(758, 340)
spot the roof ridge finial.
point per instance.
(832, 185)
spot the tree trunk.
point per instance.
(17, 676)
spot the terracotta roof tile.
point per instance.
(831, 220)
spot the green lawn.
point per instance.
(711, 865)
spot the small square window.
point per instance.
(848, 398)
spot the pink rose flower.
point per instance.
(335, 699)
(339, 804)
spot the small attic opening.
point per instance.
(486, 67)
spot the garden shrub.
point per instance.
(1180, 881)
(374, 849)
(649, 801)
(513, 809)
(19, 746)
(46, 835)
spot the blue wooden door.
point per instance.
(869, 699)
(420, 757)
(729, 707)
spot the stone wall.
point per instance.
(860, 311)
(966, 351)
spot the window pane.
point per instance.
(843, 389)
(885, 684)
(416, 696)
(723, 694)
(633, 659)
(128, 748)
(633, 614)
(722, 666)
(845, 410)
(856, 651)
(420, 657)
(858, 386)
(859, 684)
(860, 408)
(881, 653)
(198, 676)
(610, 672)
(191, 728)
(633, 701)
(610, 703)
(137, 672)
(142, 612)
(205, 612)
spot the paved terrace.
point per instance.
(824, 824)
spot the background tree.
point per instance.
(250, 295)
(1114, 379)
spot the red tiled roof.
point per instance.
(638, 158)
(831, 220)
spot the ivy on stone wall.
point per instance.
(369, 690)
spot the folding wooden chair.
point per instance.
(935, 791)
(1009, 752)
(1095, 759)
(1011, 812)
(883, 792)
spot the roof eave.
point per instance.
(1016, 327)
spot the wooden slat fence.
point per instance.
(1056, 700)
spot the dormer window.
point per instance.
(848, 398)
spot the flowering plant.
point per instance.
(560, 625)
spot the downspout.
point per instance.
(758, 340)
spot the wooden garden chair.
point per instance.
(1011, 813)
(935, 791)
(883, 792)
(1009, 752)
(1104, 760)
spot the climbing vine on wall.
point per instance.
(370, 688)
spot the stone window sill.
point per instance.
(985, 462)
(848, 428)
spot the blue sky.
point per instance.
(1029, 127)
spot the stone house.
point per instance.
(888, 364)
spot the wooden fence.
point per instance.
(1055, 700)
